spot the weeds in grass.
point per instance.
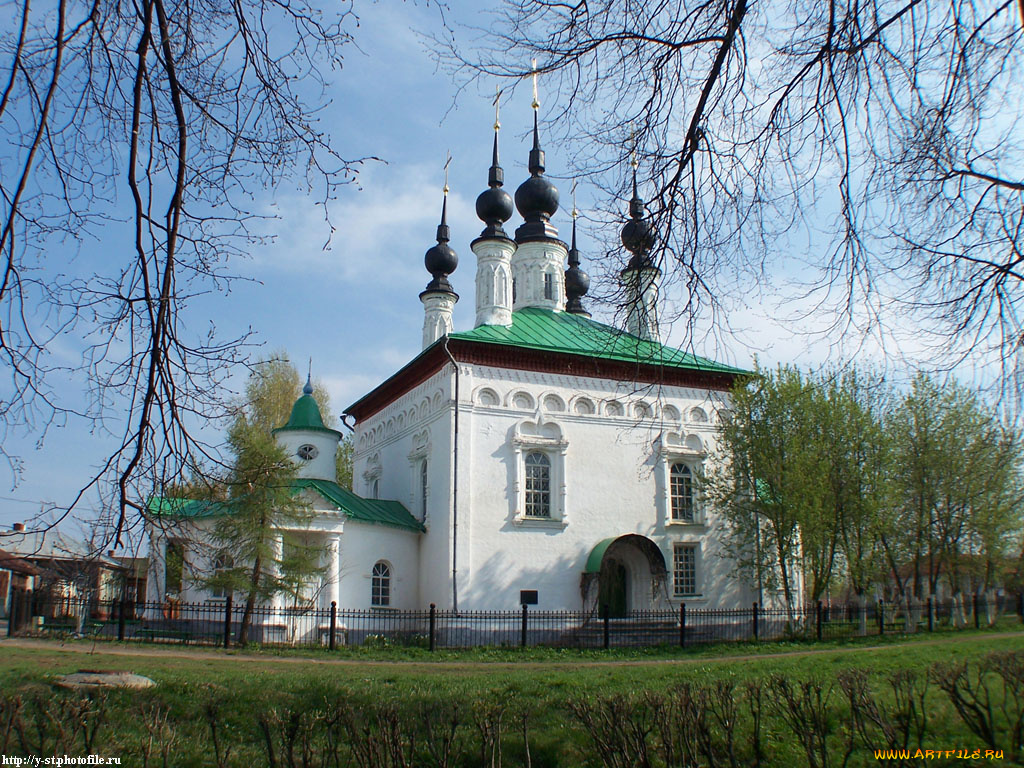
(161, 737)
(988, 695)
(821, 719)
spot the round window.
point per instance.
(307, 452)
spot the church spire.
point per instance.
(637, 235)
(537, 197)
(439, 298)
(494, 249)
(577, 282)
(441, 260)
(494, 205)
(641, 276)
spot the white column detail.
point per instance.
(334, 570)
(437, 315)
(642, 301)
(538, 268)
(276, 554)
(493, 281)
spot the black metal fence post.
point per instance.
(931, 614)
(881, 617)
(433, 626)
(522, 636)
(121, 618)
(227, 622)
(1020, 606)
(12, 617)
(977, 618)
(606, 615)
(682, 625)
(755, 612)
(819, 621)
(334, 624)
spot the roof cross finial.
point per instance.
(536, 101)
(308, 389)
(632, 160)
(497, 107)
(447, 162)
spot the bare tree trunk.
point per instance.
(250, 601)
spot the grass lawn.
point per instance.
(255, 699)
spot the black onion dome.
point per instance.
(577, 282)
(494, 205)
(637, 235)
(441, 260)
(537, 197)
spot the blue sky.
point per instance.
(353, 307)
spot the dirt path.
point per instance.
(154, 652)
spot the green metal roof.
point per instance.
(377, 511)
(544, 329)
(306, 416)
(161, 506)
(374, 511)
(596, 555)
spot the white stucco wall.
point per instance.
(615, 464)
(326, 444)
(362, 546)
(390, 447)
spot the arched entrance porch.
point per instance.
(626, 573)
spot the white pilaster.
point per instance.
(538, 269)
(333, 570)
(642, 301)
(437, 315)
(276, 554)
(493, 280)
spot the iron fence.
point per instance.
(227, 623)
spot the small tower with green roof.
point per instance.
(311, 444)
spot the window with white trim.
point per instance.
(222, 562)
(679, 457)
(681, 492)
(538, 485)
(540, 497)
(684, 569)
(549, 285)
(380, 585)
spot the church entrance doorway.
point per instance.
(626, 573)
(612, 588)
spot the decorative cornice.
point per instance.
(541, 361)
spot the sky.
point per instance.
(352, 308)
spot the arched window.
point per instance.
(423, 490)
(222, 562)
(681, 492)
(380, 589)
(549, 285)
(538, 485)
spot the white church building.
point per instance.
(538, 452)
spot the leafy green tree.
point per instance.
(857, 455)
(343, 463)
(916, 430)
(259, 542)
(820, 479)
(765, 487)
(259, 537)
(958, 474)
